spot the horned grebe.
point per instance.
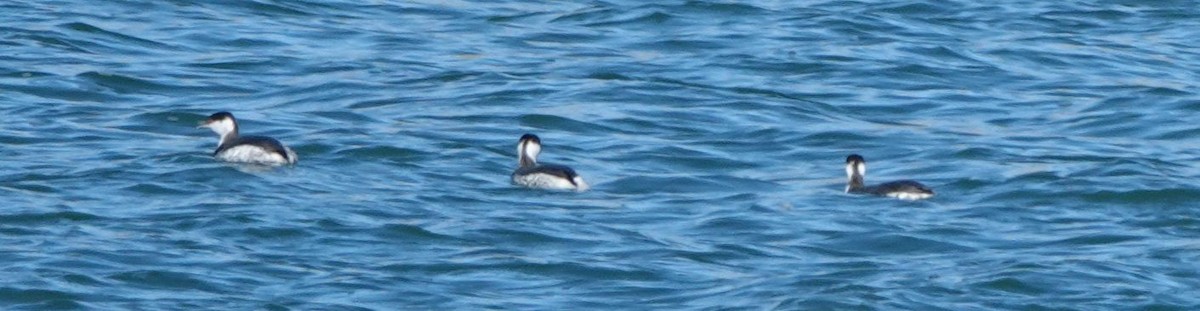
(543, 176)
(856, 167)
(245, 149)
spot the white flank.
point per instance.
(255, 154)
(909, 195)
(547, 181)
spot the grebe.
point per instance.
(542, 176)
(856, 167)
(245, 149)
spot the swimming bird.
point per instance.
(245, 149)
(856, 167)
(542, 176)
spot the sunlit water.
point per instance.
(1059, 136)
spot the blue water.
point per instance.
(1060, 137)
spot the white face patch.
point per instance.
(222, 127)
(530, 150)
(853, 166)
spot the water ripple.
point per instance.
(1058, 137)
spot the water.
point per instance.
(1060, 137)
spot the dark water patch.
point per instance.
(55, 40)
(413, 233)
(1173, 224)
(834, 138)
(435, 12)
(593, 13)
(340, 132)
(73, 94)
(164, 122)
(820, 303)
(1174, 197)
(956, 60)
(244, 64)
(1011, 285)
(376, 103)
(557, 270)
(394, 154)
(524, 238)
(338, 68)
(650, 18)
(1188, 105)
(563, 38)
(1167, 92)
(1177, 135)
(526, 17)
(693, 158)
(731, 224)
(508, 97)
(83, 280)
(574, 270)
(124, 38)
(80, 261)
(1107, 125)
(1086, 14)
(18, 231)
(439, 78)
(24, 74)
(154, 189)
(323, 92)
(31, 137)
(880, 244)
(1095, 240)
(346, 116)
(712, 257)
(123, 84)
(51, 217)
(166, 280)
(274, 233)
(705, 7)
(246, 43)
(39, 297)
(294, 10)
(643, 126)
(683, 184)
(604, 75)
(541, 121)
(45, 189)
(977, 153)
(682, 45)
(787, 67)
(914, 9)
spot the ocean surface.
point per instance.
(1060, 137)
